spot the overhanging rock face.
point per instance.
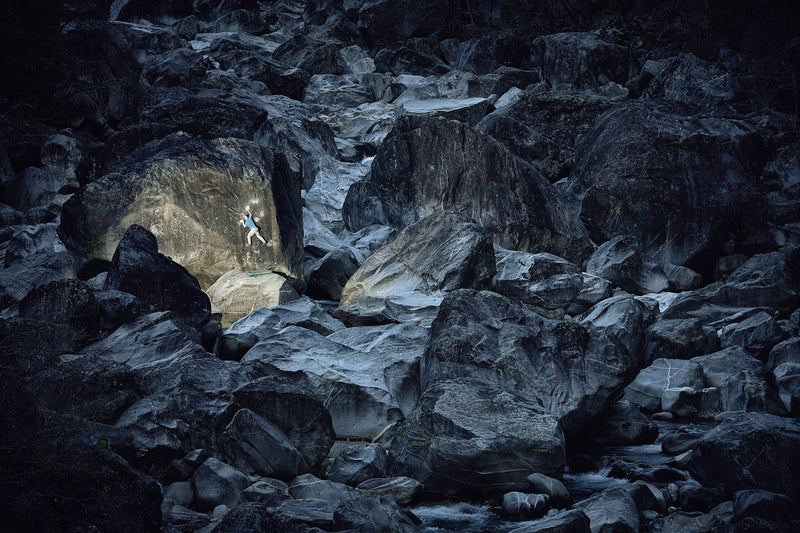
(191, 194)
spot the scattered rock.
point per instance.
(748, 451)
(302, 418)
(621, 262)
(649, 386)
(521, 506)
(612, 509)
(358, 463)
(217, 483)
(554, 489)
(257, 446)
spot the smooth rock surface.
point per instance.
(470, 169)
(442, 252)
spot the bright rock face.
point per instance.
(191, 194)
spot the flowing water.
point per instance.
(466, 517)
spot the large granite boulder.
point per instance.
(622, 425)
(620, 261)
(296, 411)
(155, 346)
(544, 128)
(784, 362)
(572, 521)
(429, 164)
(680, 192)
(327, 180)
(314, 57)
(192, 194)
(583, 365)
(749, 451)
(263, 322)
(762, 508)
(134, 10)
(552, 285)
(256, 446)
(366, 387)
(690, 80)
(611, 510)
(743, 381)
(79, 484)
(358, 463)
(581, 60)
(387, 22)
(757, 334)
(364, 512)
(467, 110)
(467, 438)
(159, 283)
(327, 277)
(442, 252)
(648, 387)
(299, 133)
(35, 187)
(411, 307)
(70, 302)
(679, 339)
(216, 483)
(483, 55)
(35, 256)
(89, 387)
(180, 67)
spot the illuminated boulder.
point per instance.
(192, 194)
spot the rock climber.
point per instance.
(247, 222)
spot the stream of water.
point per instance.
(467, 517)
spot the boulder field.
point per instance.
(399, 266)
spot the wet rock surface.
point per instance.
(515, 266)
